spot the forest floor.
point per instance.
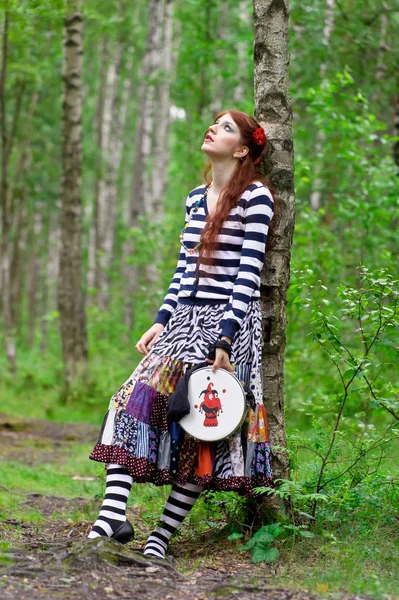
(44, 552)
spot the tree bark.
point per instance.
(51, 274)
(162, 116)
(161, 138)
(17, 261)
(34, 272)
(5, 245)
(381, 68)
(273, 110)
(217, 100)
(91, 211)
(206, 23)
(70, 294)
(141, 198)
(106, 202)
(315, 196)
(239, 92)
(113, 126)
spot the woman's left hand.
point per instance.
(221, 360)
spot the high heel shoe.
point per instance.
(124, 533)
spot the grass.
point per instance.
(349, 560)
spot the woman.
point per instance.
(212, 303)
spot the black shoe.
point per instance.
(124, 533)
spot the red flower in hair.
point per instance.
(259, 136)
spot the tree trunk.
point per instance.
(91, 210)
(5, 246)
(315, 196)
(18, 261)
(154, 51)
(381, 68)
(70, 294)
(217, 99)
(106, 204)
(273, 109)
(239, 92)
(34, 270)
(205, 23)
(161, 141)
(51, 275)
(113, 126)
(141, 199)
(162, 116)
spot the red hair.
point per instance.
(244, 174)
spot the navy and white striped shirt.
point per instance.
(239, 255)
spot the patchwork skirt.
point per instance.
(135, 432)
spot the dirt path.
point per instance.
(53, 559)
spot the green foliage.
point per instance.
(292, 490)
(261, 543)
(354, 412)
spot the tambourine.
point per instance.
(217, 404)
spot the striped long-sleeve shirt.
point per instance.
(239, 255)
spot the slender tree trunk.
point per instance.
(162, 116)
(51, 276)
(19, 225)
(9, 334)
(141, 199)
(119, 117)
(273, 109)
(161, 141)
(18, 262)
(114, 115)
(154, 62)
(45, 285)
(70, 294)
(380, 68)
(34, 271)
(206, 22)
(217, 99)
(98, 136)
(16, 191)
(315, 196)
(106, 203)
(239, 92)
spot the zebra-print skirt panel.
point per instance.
(193, 328)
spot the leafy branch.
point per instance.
(374, 307)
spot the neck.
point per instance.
(222, 172)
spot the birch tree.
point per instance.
(106, 199)
(91, 209)
(5, 273)
(161, 129)
(245, 17)
(70, 295)
(315, 196)
(273, 110)
(141, 197)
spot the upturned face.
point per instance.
(222, 139)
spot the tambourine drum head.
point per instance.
(217, 404)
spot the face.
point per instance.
(223, 140)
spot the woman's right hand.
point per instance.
(149, 338)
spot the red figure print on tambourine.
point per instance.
(211, 406)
